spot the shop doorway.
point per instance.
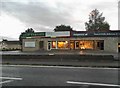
(41, 44)
(49, 46)
(100, 45)
(76, 44)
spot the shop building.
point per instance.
(71, 40)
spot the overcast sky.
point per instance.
(43, 15)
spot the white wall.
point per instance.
(57, 34)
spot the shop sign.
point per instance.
(106, 33)
(95, 34)
(80, 34)
(33, 34)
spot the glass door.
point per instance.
(76, 44)
(49, 46)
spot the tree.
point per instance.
(62, 28)
(29, 30)
(20, 38)
(4, 40)
(96, 22)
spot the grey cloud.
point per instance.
(119, 15)
(35, 13)
(44, 17)
(106, 5)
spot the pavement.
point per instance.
(71, 58)
(62, 52)
(110, 64)
(55, 76)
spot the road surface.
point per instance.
(84, 77)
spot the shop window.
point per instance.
(98, 44)
(86, 45)
(102, 46)
(66, 45)
(119, 47)
(54, 44)
(62, 44)
(71, 45)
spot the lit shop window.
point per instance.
(71, 44)
(53, 44)
(118, 44)
(86, 45)
(62, 44)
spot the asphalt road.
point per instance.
(59, 76)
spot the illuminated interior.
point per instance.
(86, 44)
(72, 45)
(118, 44)
(83, 44)
(53, 44)
(62, 44)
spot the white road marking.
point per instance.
(6, 81)
(97, 84)
(35, 66)
(11, 78)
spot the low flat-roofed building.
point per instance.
(10, 45)
(72, 40)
